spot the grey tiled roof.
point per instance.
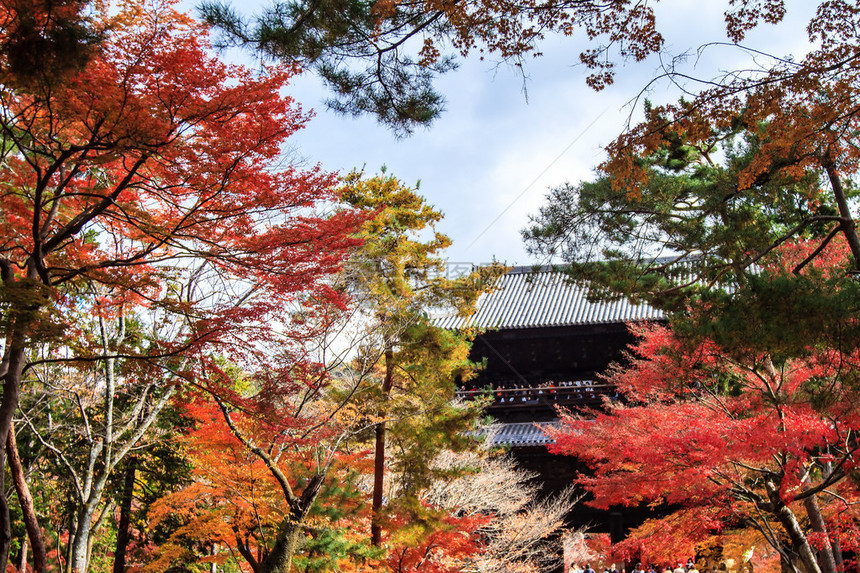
(526, 298)
(520, 434)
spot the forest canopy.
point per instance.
(171, 287)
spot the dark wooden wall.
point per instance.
(531, 373)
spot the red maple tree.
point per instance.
(732, 438)
(152, 172)
(236, 501)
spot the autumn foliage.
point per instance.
(145, 179)
(725, 439)
(802, 108)
(154, 248)
(233, 506)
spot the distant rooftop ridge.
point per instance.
(519, 269)
(544, 296)
(543, 268)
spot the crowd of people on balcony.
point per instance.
(688, 567)
(513, 393)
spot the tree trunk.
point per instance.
(379, 454)
(79, 552)
(849, 226)
(244, 549)
(123, 534)
(378, 477)
(801, 544)
(837, 549)
(280, 557)
(34, 532)
(12, 367)
(826, 557)
(22, 555)
(100, 521)
(72, 528)
(837, 556)
(786, 565)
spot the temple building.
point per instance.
(544, 345)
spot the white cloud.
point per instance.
(490, 144)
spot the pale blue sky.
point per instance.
(489, 160)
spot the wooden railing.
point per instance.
(562, 393)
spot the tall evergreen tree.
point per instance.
(692, 235)
(399, 280)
